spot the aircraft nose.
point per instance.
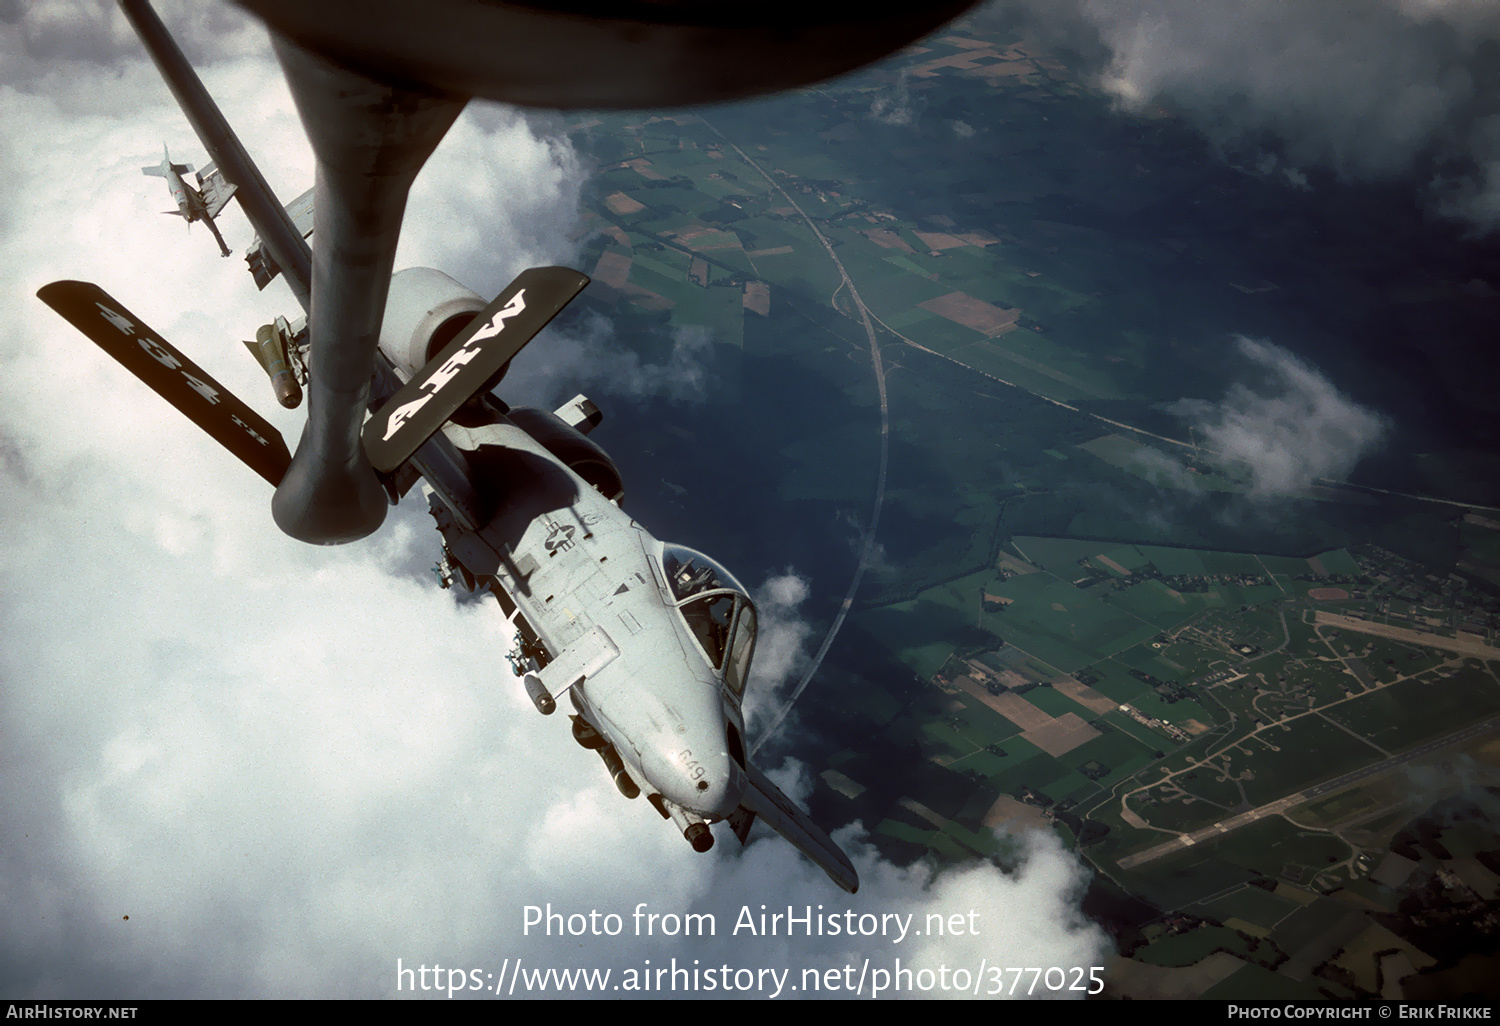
(699, 780)
(690, 765)
(717, 793)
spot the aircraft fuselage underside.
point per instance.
(586, 582)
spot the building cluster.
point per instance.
(1402, 591)
(1173, 731)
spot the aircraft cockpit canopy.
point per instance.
(716, 609)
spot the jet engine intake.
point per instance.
(424, 311)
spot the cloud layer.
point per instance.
(780, 647)
(1373, 90)
(589, 354)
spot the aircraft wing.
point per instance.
(263, 267)
(171, 375)
(764, 799)
(300, 210)
(472, 358)
(215, 189)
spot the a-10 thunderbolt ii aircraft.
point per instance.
(651, 643)
(201, 204)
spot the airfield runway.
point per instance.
(1317, 791)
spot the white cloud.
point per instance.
(1375, 90)
(894, 106)
(1289, 429)
(780, 647)
(591, 354)
(506, 195)
(1162, 470)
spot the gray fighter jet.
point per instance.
(651, 643)
(193, 204)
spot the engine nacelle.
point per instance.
(424, 311)
(582, 455)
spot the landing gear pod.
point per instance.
(585, 734)
(539, 695)
(616, 769)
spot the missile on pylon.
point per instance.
(270, 351)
